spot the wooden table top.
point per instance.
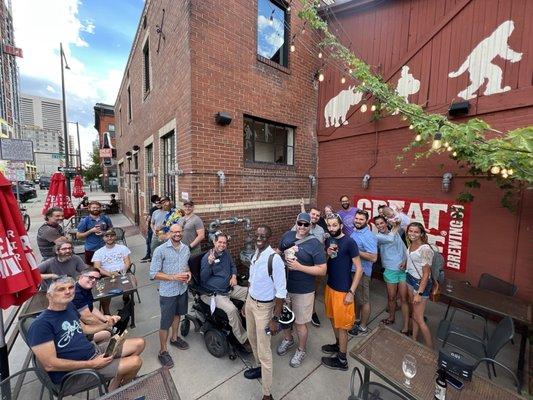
(494, 303)
(127, 286)
(157, 385)
(383, 351)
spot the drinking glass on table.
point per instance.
(409, 369)
(123, 272)
(100, 284)
(113, 276)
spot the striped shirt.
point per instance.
(169, 260)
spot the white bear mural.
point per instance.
(336, 109)
(479, 63)
(407, 84)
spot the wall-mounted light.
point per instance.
(447, 181)
(312, 180)
(366, 181)
(128, 155)
(437, 141)
(222, 118)
(459, 108)
(136, 148)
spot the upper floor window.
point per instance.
(129, 103)
(111, 127)
(146, 66)
(268, 142)
(272, 31)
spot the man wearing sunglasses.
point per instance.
(305, 258)
(64, 263)
(83, 301)
(58, 339)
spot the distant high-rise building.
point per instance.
(41, 121)
(104, 122)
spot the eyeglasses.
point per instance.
(91, 277)
(261, 236)
(306, 224)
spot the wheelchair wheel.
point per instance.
(216, 343)
(185, 326)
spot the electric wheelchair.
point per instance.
(218, 336)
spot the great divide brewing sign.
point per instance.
(446, 222)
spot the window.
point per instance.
(146, 65)
(150, 180)
(272, 31)
(129, 103)
(169, 165)
(121, 175)
(268, 142)
(111, 127)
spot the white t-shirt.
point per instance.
(112, 259)
(417, 259)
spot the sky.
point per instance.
(97, 36)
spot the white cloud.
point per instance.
(50, 89)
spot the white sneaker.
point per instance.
(297, 358)
(284, 346)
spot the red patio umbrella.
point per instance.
(78, 191)
(19, 275)
(58, 197)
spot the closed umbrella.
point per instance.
(19, 275)
(58, 197)
(78, 191)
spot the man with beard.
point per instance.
(91, 229)
(64, 263)
(193, 227)
(50, 233)
(157, 222)
(340, 291)
(305, 258)
(218, 279)
(368, 251)
(266, 295)
(347, 214)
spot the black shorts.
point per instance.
(172, 306)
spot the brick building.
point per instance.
(433, 39)
(104, 123)
(192, 60)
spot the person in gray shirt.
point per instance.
(157, 222)
(50, 233)
(193, 228)
(64, 263)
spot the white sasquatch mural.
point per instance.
(336, 109)
(407, 84)
(479, 63)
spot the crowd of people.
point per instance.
(71, 333)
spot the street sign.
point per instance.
(70, 170)
(57, 156)
(106, 153)
(16, 150)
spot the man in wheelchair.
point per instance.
(218, 279)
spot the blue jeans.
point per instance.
(149, 235)
(414, 285)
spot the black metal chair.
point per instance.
(481, 348)
(121, 235)
(6, 386)
(371, 390)
(93, 379)
(133, 269)
(490, 282)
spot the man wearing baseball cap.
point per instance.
(305, 258)
(193, 227)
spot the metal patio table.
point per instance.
(157, 385)
(35, 305)
(127, 286)
(474, 298)
(382, 352)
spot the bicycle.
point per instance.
(25, 218)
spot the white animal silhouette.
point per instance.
(336, 109)
(479, 63)
(407, 84)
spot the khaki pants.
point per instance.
(225, 304)
(258, 316)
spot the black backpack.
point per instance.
(437, 266)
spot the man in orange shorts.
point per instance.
(340, 291)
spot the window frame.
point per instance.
(169, 159)
(147, 68)
(149, 174)
(287, 35)
(274, 144)
(128, 90)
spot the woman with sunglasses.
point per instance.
(419, 258)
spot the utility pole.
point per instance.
(65, 131)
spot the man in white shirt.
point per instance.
(110, 259)
(264, 304)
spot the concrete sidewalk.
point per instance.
(199, 375)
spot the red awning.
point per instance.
(19, 275)
(58, 197)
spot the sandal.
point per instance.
(386, 321)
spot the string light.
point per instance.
(320, 77)
(343, 80)
(504, 172)
(418, 137)
(510, 171)
(404, 117)
(350, 71)
(292, 48)
(373, 108)
(454, 154)
(446, 144)
(363, 108)
(271, 20)
(437, 141)
(504, 175)
(495, 170)
(411, 126)
(320, 54)
(449, 148)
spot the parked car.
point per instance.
(44, 182)
(29, 184)
(25, 193)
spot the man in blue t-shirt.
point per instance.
(368, 251)
(340, 291)
(305, 258)
(57, 338)
(92, 228)
(347, 214)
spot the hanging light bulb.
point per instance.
(363, 108)
(437, 141)
(320, 77)
(373, 108)
(404, 118)
(504, 175)
(454, 154)
(319, 54)
(449, 148)
(343, 80)
(350, 71)
(288, 8)
(418, 137)
(396, 111)
(446, 144)
(293, 48)
(504, 171)
(495, 170)
(411, 126)
(510, 171)
(271, 20)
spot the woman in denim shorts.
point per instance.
(419, 283)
